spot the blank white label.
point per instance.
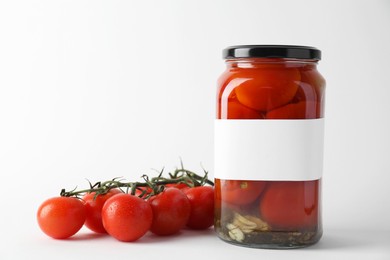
(289, 150)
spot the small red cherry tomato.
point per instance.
(126, 217)
(239, 192)
(180, 186)
(267, 88)
(171, 210)
(202, 207)
(311, 78)
(290, 205)
(236, 110)
(61, 217)
(93, 206)
(300, 110)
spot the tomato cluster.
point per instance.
(271, 91)
(128, 217)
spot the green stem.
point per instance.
(156, 184)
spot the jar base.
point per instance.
(277, 240)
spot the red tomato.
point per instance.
(202, 207)
(126, 217)
(267, 88)
(239, 192)
(94, 207)
(180, 186)
(61, 217)
(290, 205)
(305, 92)
(236, 110)
(224, 82)
(171, 210)
(312, 79)
(300, 110)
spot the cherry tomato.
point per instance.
(267, 88)
(171, 210)
(225, 85)
(93, 206)
(290, 205)
(300, 110)
(312, 79)
(311, 76)
(126, 217)
(180, 186)
(236, 110)
(239, 192)
(202, 207)
(61, 217)
(305, 92)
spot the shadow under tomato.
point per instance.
(86, 236)
(181, 235)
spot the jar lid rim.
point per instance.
(272, 51)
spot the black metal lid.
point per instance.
(272, 51)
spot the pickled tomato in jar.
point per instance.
(269, 146)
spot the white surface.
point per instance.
(257, 147)
(336, 244)
(99, 89)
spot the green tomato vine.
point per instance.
(148, 187)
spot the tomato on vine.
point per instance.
(180, 186)
(171, 210)
(126, 217)
(93, 205)
(202, 207)
(61, 217)
(158, 204)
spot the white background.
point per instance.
(100, 89)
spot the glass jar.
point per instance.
(269, 147)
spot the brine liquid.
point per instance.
(268, 214)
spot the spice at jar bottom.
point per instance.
(269, 147)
